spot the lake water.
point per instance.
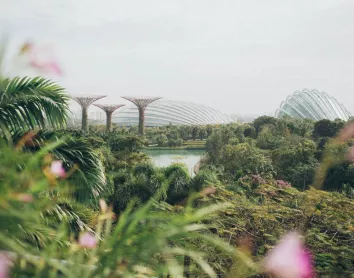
(163, 158)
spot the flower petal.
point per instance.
(289, 259)
(88, 240)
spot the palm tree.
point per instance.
(88, 180)
(179, 182)
(37, 103)
(28, 103)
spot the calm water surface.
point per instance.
(163, 158)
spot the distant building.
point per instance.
(243, 118)
(312, 105)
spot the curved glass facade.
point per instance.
(165, 112)
(313, 105)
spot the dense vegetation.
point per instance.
(285, 149)
(91, 204)
(265, 170)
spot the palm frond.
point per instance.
(88, 179)
(26, 103)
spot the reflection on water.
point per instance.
(163, 158)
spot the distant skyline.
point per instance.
(240, 57)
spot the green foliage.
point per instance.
(250, 131)
(295, 148)
(339, 177)
(245, 159)
(264, 209)
(161, 140)
(173, 184)
(214, 146)
(129, 186)
(267, 140)
(295, 161)
(150, 240)
(33, 202)
(263, 121)
(178, 182)
(327, 128)
(204, 179)
(27, 103)
(175, 142)
(128, 143)
(88, 180)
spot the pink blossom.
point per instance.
(26, 198)
(346, 133)
(282, 184)
(289, 259)
(4, 265)
(57, 168)
(87, 240)
(49, 67)
(41, 58)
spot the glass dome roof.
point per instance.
(165, 112)
(313, 105)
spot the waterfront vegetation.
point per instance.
(91, 203)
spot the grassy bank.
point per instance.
(187, 145)
(190, 148)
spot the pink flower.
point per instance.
(346, 133)
(87, 240)
(4, 265)
(41, 58)
(49, 67)
(26, 198)
(289, 259)
(57, 168)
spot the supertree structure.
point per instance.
(141, 103)
(85, 101)
(109, 109)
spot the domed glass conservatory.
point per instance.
(165, 112)
(313, 105)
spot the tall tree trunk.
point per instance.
(109, 121)
(141, 120)
(84, 120)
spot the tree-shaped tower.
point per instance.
(85, 101)
(141, 103)
(109, 109)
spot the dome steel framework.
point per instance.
(312, 104)
(164, 112)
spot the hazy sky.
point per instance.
(241, 57)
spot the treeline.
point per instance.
(286, 149)
(170, 135)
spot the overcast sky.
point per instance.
(241, 57)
